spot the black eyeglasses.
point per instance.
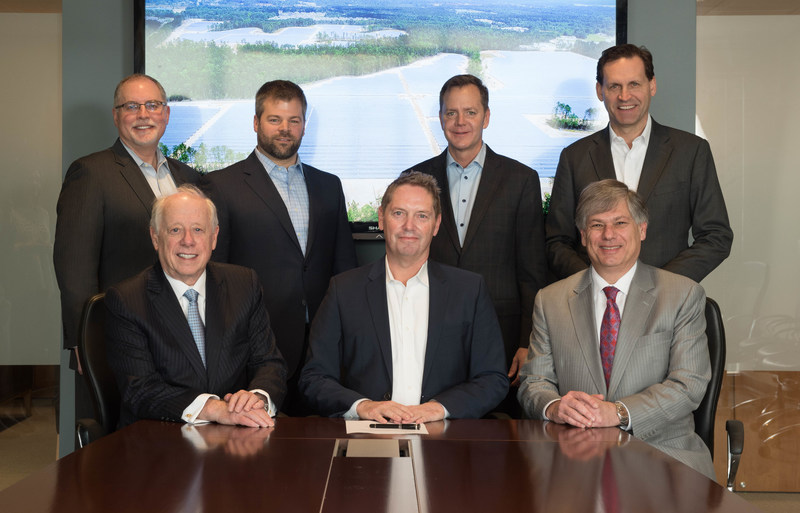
(150, 106)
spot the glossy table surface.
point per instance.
(460, 466)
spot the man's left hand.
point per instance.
(427, 412)
(243, 401)
(516, 365)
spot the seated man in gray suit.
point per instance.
(188, 339)
(621, 343)
(406, 339)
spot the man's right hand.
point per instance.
(583, 410)
(384, 411)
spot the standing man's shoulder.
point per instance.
(683, 140)
(433, 165)
(182, 172)
(584, 145)
(509, 166)
(227, 173)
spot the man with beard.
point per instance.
(285, 219)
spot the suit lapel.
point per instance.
(438, 302)
(315, 192)
(379, 308)
(491, 177)
(448, 228)
(257, 178)
(581, 308)
(659, 150)
(638, 305)
(601, 155)
(169, 312)
(133, 175)
(216, 299)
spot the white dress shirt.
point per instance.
(628, 162)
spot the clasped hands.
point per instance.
(390, 411)
(583, 410)
(242, 408)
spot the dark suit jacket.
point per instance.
(350, 351)
(102, 231)
(153, 354)
(504, 241)
(256, 231)
(661, 365)
(678, 184)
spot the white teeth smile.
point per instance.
(626, 107)
(186, 255)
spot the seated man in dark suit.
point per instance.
(406, 339)
(188, 339)
(621, 343)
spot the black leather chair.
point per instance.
(97, 373)
(705, 414)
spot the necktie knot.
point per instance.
(191, 295)
(611, 293)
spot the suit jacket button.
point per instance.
(387, 396)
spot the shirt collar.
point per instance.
(421, 276)
(643, 137)
(270, 166)
(479, 159)
(623, 284)
(180, 288)
(161, 159)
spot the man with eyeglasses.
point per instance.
(104, 207)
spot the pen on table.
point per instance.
(395, 426)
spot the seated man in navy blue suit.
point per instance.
(188, 339)
(406, 339)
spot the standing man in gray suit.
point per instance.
(621, 343)
(104, 207)
(492, 221)
(285, 219)
(671, 170)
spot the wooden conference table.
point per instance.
(460, 466)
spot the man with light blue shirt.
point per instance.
(492, 221)
(104, 207)
(285, 219)
(671, 170)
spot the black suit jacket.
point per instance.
(256, 232)
(102, 231)
(153, 354)
(678, 184)
(504, 241)
(350, 351)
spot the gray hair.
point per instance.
(136, 76)
(189, 190)
(602, 196)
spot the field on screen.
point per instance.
(372, 71)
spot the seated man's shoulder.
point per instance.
(462, 278)
(235, 272)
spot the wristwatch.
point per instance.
(622, 414)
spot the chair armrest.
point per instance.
(735, 430)
(88, 431)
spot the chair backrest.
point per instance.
(705, 413)
(96, 371)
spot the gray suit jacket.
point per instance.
(504, 242)
(102, 231)
(678, 184)
(153, 354)
(661, 365)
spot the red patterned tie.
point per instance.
(609, 330)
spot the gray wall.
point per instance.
(96, 55)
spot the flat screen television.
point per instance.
(372, 71)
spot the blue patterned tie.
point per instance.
(196, 324)
(609, 330)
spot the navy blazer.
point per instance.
(153, 354)
(679, 186)
(350, 351)
(256, 231)
(504, 242)
(103, 227)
